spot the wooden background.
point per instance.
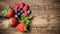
(46, 15)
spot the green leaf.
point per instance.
(4, 12)
(22, 19)
(29, 17)
(27, 22)
(9, 22)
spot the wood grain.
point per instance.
(46, 16)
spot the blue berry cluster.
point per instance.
(18, 13)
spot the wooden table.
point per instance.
(46, 15)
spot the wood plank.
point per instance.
(46, 16)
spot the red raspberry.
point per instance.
(25, 14)
(21, 5)
(15, 5)
(25, 8)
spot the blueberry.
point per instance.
(16, 11)
(21, 11)
(28, 12)
(18, 14)
(17, 17)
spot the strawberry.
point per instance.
(21, 5)
(20, 27)
(15, 5)
(25, 8)
(14, 22)
(25, 14)
(10, 13)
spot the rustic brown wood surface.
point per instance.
(46, 16)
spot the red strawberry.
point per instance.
(25, 14)
(15, 5)
(20, 27)
(14, 22)
(21, 5)
(25, 8)
(10, 13)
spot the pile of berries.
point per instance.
(19, 10)
(20, 15)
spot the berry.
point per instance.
(10, 13)
(25, 8)
(25, 14)
(16, 11)
(21, 5)
(28, 12)
(20, 27)
(17, 17)
(15, 5)
(21, 11)
(14, 22)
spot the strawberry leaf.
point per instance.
(9, 22)
(27, 22)
(29, 17)
(22, 19)
(4, 12)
